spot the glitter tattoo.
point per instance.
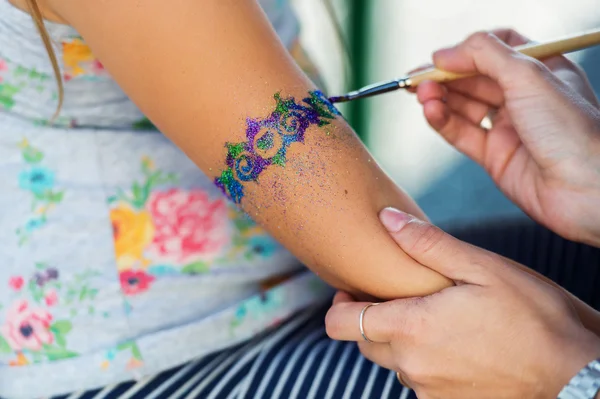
(268, 140)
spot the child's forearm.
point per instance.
(214, 78)
(300, 171)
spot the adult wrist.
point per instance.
(585, 384)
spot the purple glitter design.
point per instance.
(288, 122)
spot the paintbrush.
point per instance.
(538, 51)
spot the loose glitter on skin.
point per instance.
(268, 140)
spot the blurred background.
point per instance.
(387, 38)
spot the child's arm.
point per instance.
(212, 72)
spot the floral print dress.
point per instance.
(119, 257)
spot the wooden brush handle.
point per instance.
(535, 50)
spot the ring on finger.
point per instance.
(401, 380)
(488, 120)
(361, 320)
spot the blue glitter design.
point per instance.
(287, 124)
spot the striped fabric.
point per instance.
(298, 360)
(574, 266)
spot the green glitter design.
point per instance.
(278, 159)
(266, 142)
(288, 124)
(227, 176)
(235, 149)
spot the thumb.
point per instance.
(435, 249)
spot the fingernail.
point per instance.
(441, 54)
(393, 219)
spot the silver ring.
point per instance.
(402, 382)
(361, 319)
(487, 122)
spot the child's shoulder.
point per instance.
(43, 6)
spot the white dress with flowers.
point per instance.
(119, 257)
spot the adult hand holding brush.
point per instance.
(543, 148)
